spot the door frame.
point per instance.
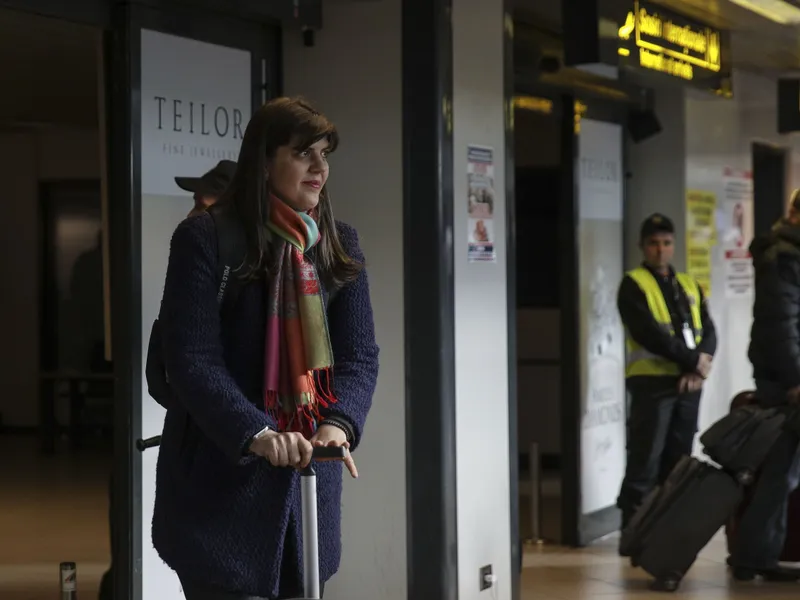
(48, 351)
(123, 76)
(768, 207)
(511, 295)
(577, 529)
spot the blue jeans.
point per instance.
(762, 531)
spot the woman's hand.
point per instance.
(288, 449)
(328, 435)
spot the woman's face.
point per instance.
(298, 176)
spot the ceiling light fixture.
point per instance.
(774, 10)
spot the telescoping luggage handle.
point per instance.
(142, 445)
(308, 480)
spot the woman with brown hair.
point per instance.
(292, 364)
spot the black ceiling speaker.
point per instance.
(788, 105)
(549, 64)
(643, 123)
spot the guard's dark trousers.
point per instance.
(661, 427)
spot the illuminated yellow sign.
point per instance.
(670, 44)
(542, 105)
(580, 110)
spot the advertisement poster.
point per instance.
(602, 342)
(735, 223)
(701, 234)
(480, 204)
(188, 126)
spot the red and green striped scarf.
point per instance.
(298, 346)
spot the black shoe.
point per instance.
(670, 584)
(626, 519)
(783, 574)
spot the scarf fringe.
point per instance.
(304, 418)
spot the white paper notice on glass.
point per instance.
(600, 171)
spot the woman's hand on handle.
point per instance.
(328, 435)
(288, 449)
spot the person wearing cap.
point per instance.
(775, 355)
(207, 189)
(670, 343)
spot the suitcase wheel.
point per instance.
(745, 477)
(669, 583)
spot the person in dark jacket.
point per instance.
(775, 355)
(290, 366)
(206, 191)
(671, 341)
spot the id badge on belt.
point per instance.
(688, 336)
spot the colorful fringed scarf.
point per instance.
(298, 346)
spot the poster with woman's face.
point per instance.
(736, 224)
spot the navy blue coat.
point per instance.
(222, 517)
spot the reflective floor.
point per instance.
(54, 509)
(553, 573)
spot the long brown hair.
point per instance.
(277, 123)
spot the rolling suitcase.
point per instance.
(791, 547)
(308, 491)
(678, 519)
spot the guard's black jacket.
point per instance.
(642, 327)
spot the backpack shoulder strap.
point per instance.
(231, 252)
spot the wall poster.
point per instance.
(188, 125)
(480, 204)
(735, 222)
(601, 258)
(701, 234)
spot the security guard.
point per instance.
(670, 344)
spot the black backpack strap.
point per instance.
(332, 293)
(232, 250)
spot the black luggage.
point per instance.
(791, 547)
(740, 441)
(678, 519)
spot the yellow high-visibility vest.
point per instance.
(639, 360)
